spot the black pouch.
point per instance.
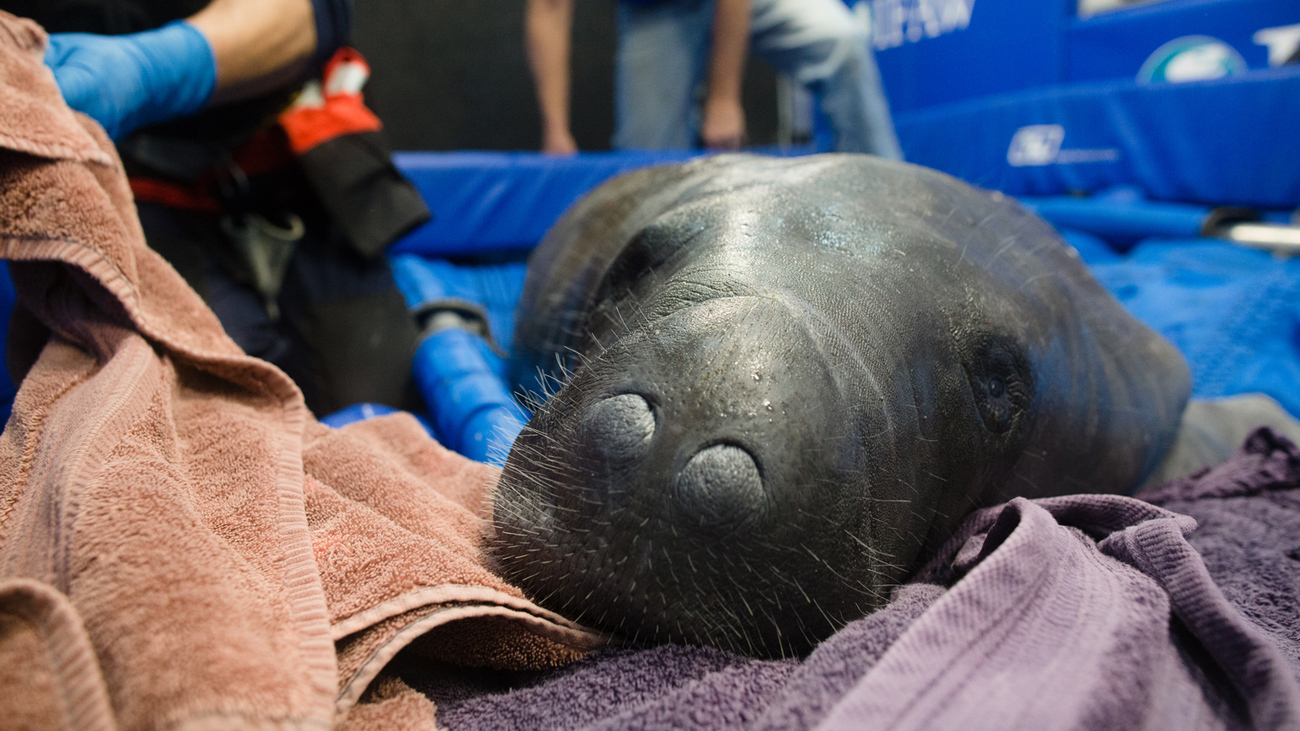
(368, 199)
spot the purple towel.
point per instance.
(1087, 611)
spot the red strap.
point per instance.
(148, 190)
(337, 110)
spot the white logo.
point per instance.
(896, 22)
(1282, 42)
(1040, 144)
(1037, 144)
(1191, 58)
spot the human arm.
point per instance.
(229, 50)
(724, 118)
(258, 44)
(548, 31)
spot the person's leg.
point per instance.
(352, 325)
(821, 45)
(195, 246)
(662, 52)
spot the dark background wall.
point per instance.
(449, 74)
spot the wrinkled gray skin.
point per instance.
(776, 384)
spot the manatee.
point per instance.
(767, 389)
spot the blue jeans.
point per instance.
(663, 55)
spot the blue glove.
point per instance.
(128, 81)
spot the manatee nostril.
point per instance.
(620, 427)
(720, 486)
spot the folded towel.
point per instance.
(1079, 612)
(181, 545)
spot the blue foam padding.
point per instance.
(933, 52)
(7, 299)
(1121, 222)
(504, 201)
(1231, 141)
(1116, 44)
(937, 52)
(363, 411)
(1233, 312)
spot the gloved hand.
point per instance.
(128, 81)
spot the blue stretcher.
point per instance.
(1234, 312)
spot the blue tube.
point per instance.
(1121, 222)
(473, 409)
(419, 280)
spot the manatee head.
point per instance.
(782, 395)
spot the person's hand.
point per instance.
(558, 142)
(723, 127)
(125, 82)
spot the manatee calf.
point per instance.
(769, 387)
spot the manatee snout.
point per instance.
(655, 496)
(717, 487)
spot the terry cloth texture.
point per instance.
(1080, 612)
(181, 545)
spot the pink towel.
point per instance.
(181, 545)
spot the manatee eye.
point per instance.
(655, 244)
(995, 387)
(1001, 384)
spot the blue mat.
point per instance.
(1030, 98)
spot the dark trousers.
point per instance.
(344, 334)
